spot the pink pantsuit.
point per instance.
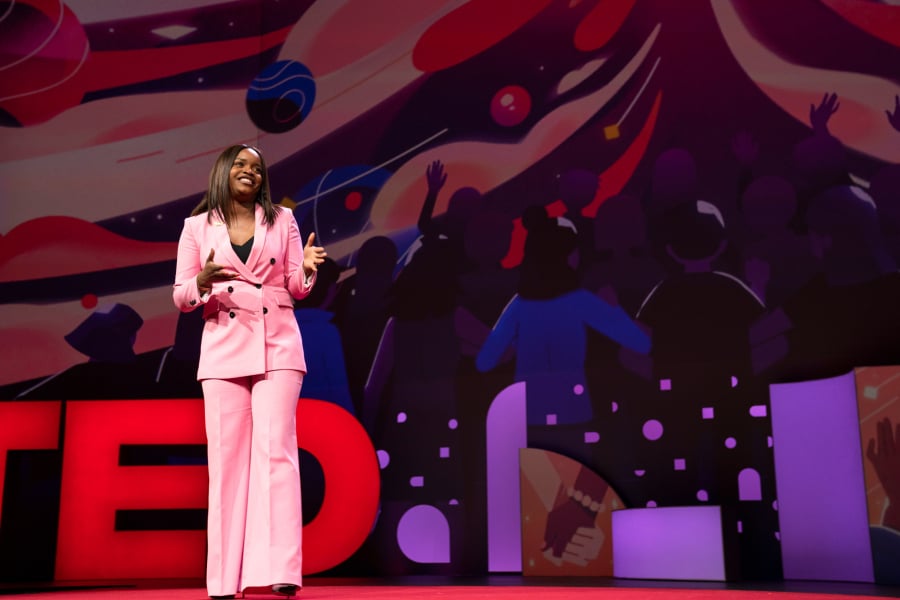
(251, 370)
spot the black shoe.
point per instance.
(284, 589)
(226, 597)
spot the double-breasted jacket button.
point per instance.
(271, 261)
(231, 314)
(230, 289)
(258, 286)
(193, 302)
(265, 310)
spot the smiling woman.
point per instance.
(242, 260)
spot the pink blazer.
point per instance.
(249, 321)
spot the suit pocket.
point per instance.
(283, 298)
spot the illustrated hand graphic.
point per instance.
(819, 115)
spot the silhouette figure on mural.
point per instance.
(326, 378)
(674, 184)
(112, 371)
(546, 323)
(846, 316)
(176, 375)
(776, 259)
(411, 406)
(820, 161)
(361, 310)
(623, 270)
(451, 225)
(818, 332)
(487, 286)
(698, 437)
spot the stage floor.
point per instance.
(493, 588)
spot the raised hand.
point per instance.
(313, 256)
(894, 119)
(819, 115)
(435, 176)
(212, 272)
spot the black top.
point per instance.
(243, 252)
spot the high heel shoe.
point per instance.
(285, 589)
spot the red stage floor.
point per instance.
(491, 588)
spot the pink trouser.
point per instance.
(255, 521)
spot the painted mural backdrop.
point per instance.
(644, 211)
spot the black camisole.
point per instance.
(243, 252)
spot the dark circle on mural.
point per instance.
(281, 96)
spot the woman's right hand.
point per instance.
(212, 272)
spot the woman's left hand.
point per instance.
(313, 256)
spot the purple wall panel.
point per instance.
(675, 542)
(506, 433)
(819, 475)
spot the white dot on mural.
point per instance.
(730, 442)
(384, 459)
(401, 417)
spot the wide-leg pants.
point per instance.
(254, 525)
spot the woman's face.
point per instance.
(246, 176)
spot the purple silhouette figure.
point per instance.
(547, 325)
(361, 309)
(776, 259)
(623, 270)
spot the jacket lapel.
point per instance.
(228, 257)
(259, 239)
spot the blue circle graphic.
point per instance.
(281, 96)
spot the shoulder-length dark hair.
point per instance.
(217, 198)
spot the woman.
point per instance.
(241, 258)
